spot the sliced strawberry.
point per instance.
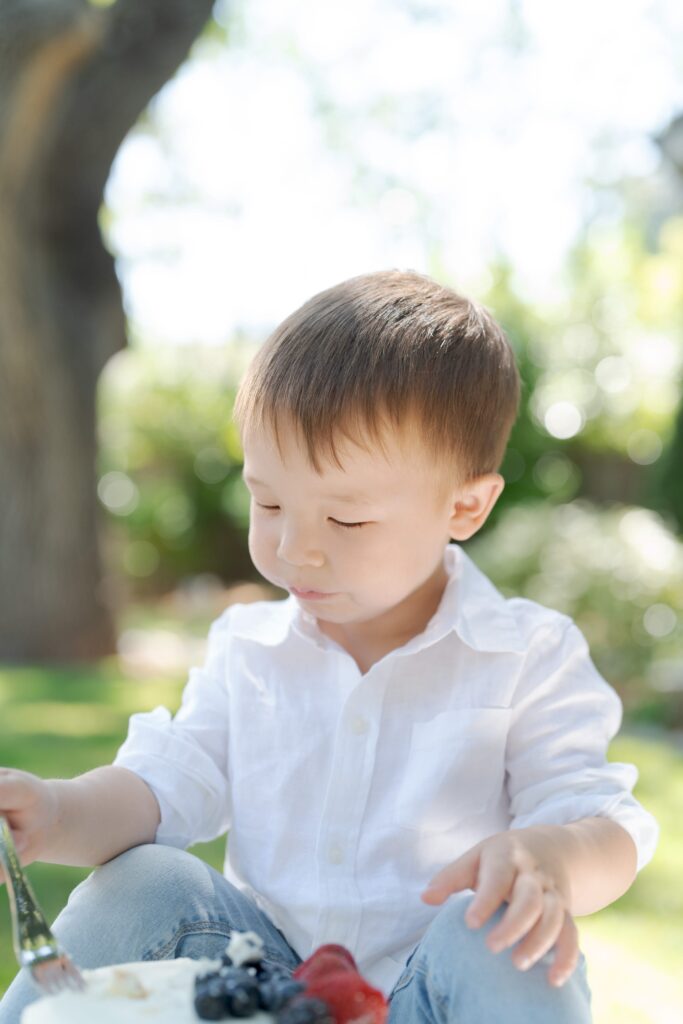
(331, 974)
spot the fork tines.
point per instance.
(56, 974)
(34, 944)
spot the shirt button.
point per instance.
(335, 855)
(359, 725)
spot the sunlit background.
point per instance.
(425, 134)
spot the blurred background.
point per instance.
(176, 177)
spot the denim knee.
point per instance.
(147, 873)
(450, 932)
(453, 975)
(142, 892)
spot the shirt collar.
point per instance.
(470, 606)
(474, 608)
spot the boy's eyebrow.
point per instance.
(350, 499)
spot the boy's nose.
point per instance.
(295, 548)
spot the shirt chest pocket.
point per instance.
(454, 769)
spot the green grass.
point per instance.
(59, 723)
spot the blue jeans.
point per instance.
(156, 903)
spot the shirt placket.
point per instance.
(353, 758)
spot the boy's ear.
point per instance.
(472, 504)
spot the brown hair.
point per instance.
(392, 348)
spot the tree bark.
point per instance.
(73, 80)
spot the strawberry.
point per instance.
(331, 974)
(325, 959)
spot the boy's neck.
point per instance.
(368, 642)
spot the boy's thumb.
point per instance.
(461, 874)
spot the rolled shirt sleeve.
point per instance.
(564, 716)
(184, 759)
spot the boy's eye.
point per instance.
(349, 526)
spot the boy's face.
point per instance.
(354, 543)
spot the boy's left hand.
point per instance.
(516, 867)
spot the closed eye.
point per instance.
(337, 522)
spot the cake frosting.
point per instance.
(327, 988)
(134, 993)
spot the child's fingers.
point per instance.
(544, 934)
(21, 844)
(525, 908)
(566, 953)
(460, 874)
(494, 885)
(17, 790)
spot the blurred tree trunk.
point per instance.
(74, 78)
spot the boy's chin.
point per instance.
(349, 616)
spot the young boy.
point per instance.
(392, 736)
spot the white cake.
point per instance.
(135, 993)
(164, 990)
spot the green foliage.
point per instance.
(627, 291)
(169, 467)
(536, 464)
(666, 483)
(609, 345)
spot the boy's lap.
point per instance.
(168, 903)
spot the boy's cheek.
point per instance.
(258, 552)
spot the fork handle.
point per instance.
(31, 933)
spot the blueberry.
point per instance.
(276, 990)
(263, 970)
(266, 971)
(240, 991)
(305, 1011)
(209, 996)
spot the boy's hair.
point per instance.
(391, 348)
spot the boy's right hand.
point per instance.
(31, 807)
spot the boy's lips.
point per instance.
(310, 595)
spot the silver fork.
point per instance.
(34, 944)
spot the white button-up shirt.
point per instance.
(344, 793)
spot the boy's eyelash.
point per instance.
(347, 526)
